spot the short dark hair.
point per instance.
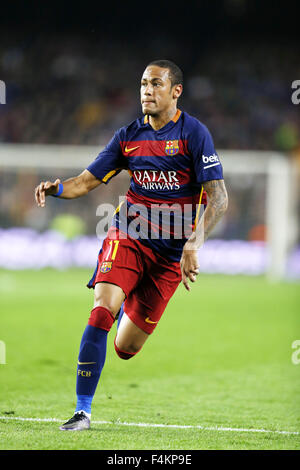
(175, 73)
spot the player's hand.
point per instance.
(189, 266)
(45, 189)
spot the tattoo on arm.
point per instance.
(215, 209)
(217, 204)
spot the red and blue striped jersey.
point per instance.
(167, 166)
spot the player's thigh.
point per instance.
(130, 337)
(118, 271)
(109, 296)
(147, 303)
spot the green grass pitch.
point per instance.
(220, 357)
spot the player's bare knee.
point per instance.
(101, 301)
(126, 351)
(131, 348)
(108, 296)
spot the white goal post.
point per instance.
(281, 191)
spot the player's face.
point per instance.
(157, 93)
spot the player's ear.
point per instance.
(177, 90)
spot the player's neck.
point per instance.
(159, 121)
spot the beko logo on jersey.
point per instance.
(211, 159)
(156, 179)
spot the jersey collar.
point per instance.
(173, 120)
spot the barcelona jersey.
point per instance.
(167, 169)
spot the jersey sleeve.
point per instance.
(110, 161)
(207, 165)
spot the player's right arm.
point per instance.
(72, 188)
(108, 164)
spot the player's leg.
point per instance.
(145, 305)
(108, 299)
(129, 339)
(118, 271)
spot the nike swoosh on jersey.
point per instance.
(132, 148)
(82, 363)
(147, 320)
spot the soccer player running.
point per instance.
(171, 158)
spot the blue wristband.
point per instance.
(60, 190)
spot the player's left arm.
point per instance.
(215, 209)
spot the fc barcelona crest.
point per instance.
(106, 267)
(172, 147)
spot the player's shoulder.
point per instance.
(128, 131)
(193, 126)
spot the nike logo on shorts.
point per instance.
(147, 320)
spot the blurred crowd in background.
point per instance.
(73, 90)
